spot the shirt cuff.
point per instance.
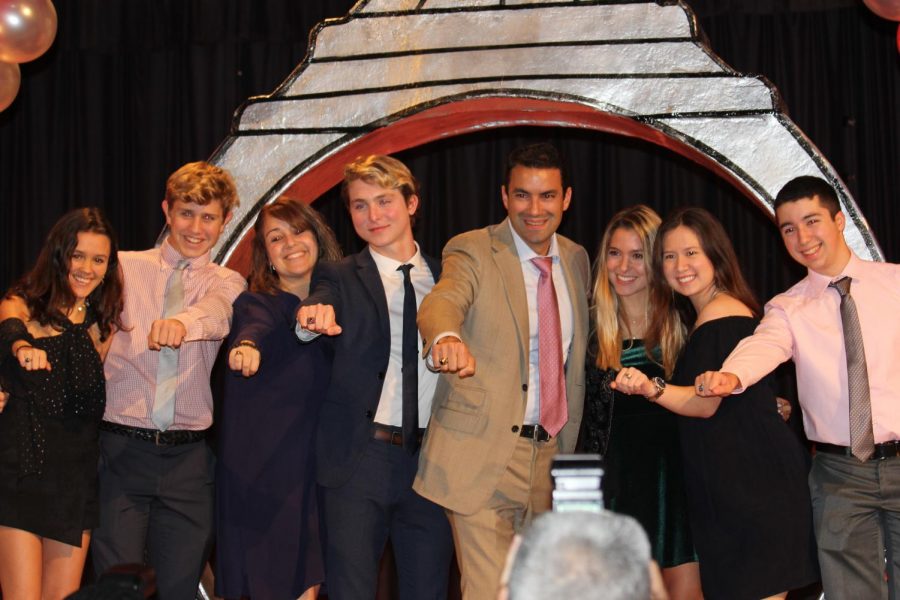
(305, 335)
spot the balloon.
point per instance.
(886, 9)
(27, 28)
(9, 83)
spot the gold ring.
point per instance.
(239, 353)
(27, 359)
(443, 361)
(627, 375)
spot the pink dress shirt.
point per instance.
(209, 291)
(804, 323)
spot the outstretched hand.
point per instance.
(451, 355)
(318, 318)
(716, 383)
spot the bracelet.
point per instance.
(247, 343)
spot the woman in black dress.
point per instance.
(268, 540)
(638, 440)
(745, 471)
(55, 325)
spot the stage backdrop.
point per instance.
(133, 89)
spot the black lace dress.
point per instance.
(639, 443)
(48, 434)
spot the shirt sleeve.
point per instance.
(210, 317)
(771, 344)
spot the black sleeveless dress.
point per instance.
(48, 436)
(745, 473)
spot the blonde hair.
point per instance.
(202, 183)
(644, 222)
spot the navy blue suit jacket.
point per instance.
(346, 419)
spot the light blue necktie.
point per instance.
(167, 373)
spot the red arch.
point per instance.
(465, 116)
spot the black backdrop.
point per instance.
(134, 88)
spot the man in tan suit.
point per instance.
(495, 429)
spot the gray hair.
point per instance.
(582, 555)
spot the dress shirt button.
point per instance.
(380, 375)
(515, 429)
(368, 414)
(524, 387)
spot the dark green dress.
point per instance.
(640, 446)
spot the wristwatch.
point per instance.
(660, 384)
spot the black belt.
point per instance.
(534, 432)
(173, 437)
(393, 435)
(882, 451)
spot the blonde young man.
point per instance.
(156, 470)
(379, 399)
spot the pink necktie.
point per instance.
(554, 411)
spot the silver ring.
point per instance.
(27, 359)
(700, 388)
(311, 321)
(627, 375)
(239, 353)
(443, 361)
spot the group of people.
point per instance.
(391, 396)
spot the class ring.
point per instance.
(443, 361)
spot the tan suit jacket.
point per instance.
(475, 421)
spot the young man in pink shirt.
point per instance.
(855, 477)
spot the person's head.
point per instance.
(812, 225)
(692, 257)
(199, 201)
(536, 194)
(381, 195)
(77, 265)
(582, 555)
(290, 237)
(622, 270)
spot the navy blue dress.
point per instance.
(745, 472)
(267, 521)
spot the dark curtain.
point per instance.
(133, 89)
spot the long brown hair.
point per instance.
(300, 216)
(672, 313)
(46, 290)
(605, 305)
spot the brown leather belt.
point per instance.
(882, 451)
(160, 438)
(393, 435)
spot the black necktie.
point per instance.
(410, 365)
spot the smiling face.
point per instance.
(292, 253)
(381, 217)
(625, 262)
(194, 228)
(535, 201)
(88, 263)
(812, 236)
(686, 267)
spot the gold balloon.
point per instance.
(9, 83)
(886, 9)
(27, 28)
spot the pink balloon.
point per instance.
(10, 78)
(27, 28)
(886, 9)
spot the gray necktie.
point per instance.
(167, 373)
(862, 440)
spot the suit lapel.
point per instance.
(371, 279)
(579, 317)
(510, 268)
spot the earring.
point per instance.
(271, 266)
